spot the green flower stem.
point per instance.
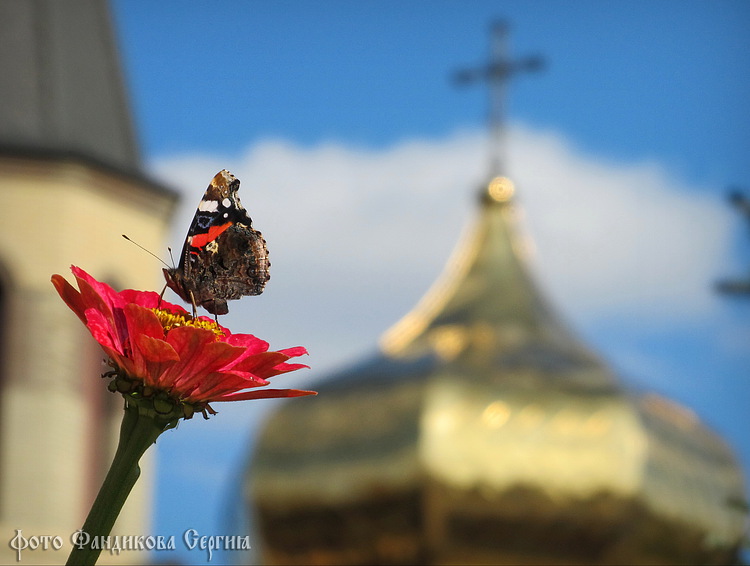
(141, 426)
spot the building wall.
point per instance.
(56, 426)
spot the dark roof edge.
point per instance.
(54, 154)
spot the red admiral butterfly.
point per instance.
(223, 257)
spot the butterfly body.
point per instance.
(223, 258)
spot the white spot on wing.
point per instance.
(208, 206)
(226, 203)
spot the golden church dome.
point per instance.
(483, 431)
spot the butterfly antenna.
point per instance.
(171, 257)
(149, 252)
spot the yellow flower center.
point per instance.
(170, 320)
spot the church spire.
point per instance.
(497, 72)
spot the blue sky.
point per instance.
(624, 79)
(359, 159)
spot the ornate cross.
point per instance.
(496, 73)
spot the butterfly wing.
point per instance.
(224, 257)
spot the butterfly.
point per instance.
(223, 257)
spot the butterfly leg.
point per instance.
(192, 302)
(161, 296)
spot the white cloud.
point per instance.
(357, 235)
(621, 238)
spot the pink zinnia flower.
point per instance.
(158, 351)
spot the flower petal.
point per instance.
(102, 330)
(218, 384)
(70, 295)
(155, 350)
(156, 357)
(263, 394)
(148, 299)
(200, 354)
(101, 289)
(295, 352)
(260, 364)
(284, 368)
(250, 343)
(93, 300)
(141, 320)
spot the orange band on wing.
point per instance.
(200, 240)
